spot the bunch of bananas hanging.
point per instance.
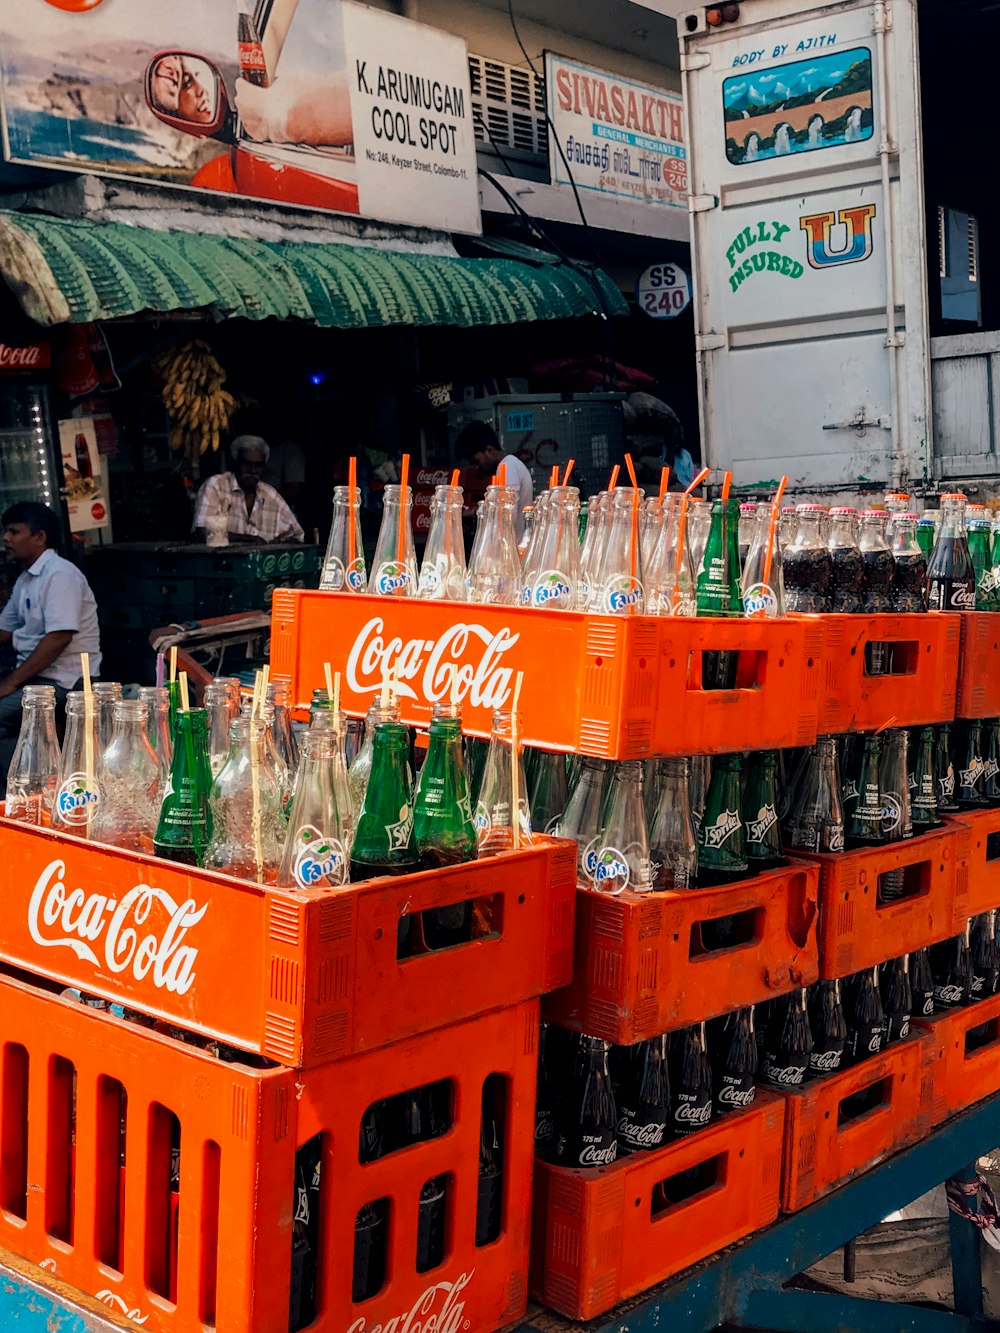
(199, 406)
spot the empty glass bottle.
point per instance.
(763, 584)
(344, 562)
(970, 770)
(219, 707)
(394, 569)
(247, 826)
(442, 819)
(592, 545)
(131, 783)
(548, 791)
(79, 794)
(670, 581)
(185, 824)
(317, 845)
(817, 818)
(718, 590)
(442, 571)
(582, 818)
(106, 695)
(359, 772)
(158, 730)
(325, 720)
(493, 818)
(622, 859)
(673, 844)
(552, 579)
(944, 770)
(897, 820)
(494, 577)
(617, 586)
(33, 776)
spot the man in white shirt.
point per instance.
(479, 442)
(254, 511)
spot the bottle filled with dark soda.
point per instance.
(693, 1103)
(808, 564)
(644, 1100)
(848, 585)
(735, 1063)
(829, 1029)
(951, 578)
(866, 1027)
(589, 1132)
(921, 984)
(951, 964)
(909, 588)
(788, 1043)
(880, 572)
(897, 998)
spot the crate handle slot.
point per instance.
(684, 1187)
(866, 1101)
(916, 883)
(451, 925)
(993, 846)
(714, 935)
(978, 1038)
(750, 669)
(889, 657)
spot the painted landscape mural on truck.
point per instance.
(820, 102)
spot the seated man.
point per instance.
(254, 511)
(50, 620)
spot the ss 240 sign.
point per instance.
(663, 291)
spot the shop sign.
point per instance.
(326, 104)
(617, 136)
(663, 291)
(85, 488)
(36, 356)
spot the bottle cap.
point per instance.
(841, 510)
(809, 509)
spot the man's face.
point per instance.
(193, 102)
(487, 459)
(22, 544)
(249, 469)
(167, 83)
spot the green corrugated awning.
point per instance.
(74, 271)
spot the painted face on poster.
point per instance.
(411, 107)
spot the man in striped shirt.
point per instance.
(254, 511)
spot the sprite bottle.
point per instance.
(383, 839)
(185, 824)
(764, 847)
(442, 822)
(721, 835)
(718, 589)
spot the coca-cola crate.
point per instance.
(856, 930)
(963, 1057)
(602, 1235)
(923, 664)
(979, 665)
(92, 1108)
(626, 687)
(300, 977)
(839, 1126)
(977, 887)
(641, 964)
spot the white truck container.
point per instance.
(809, 258)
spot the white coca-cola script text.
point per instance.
(439, 1309)
(430, 664)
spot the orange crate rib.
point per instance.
(300, 977)
(956, 1076)
(978, 887)
(640, 969)
(821, 1152)
(854, 701)
(855, 931)
(596, 1239)
(624, 687)
(228, 1263)
(979, 665)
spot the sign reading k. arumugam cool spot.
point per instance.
(321, 103)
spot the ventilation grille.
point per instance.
(973, 232)
(942, 243)
(508, 108)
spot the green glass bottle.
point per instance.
(967, 756)
(926, 535)
(582, 524)
(981, 550)
(383, 839)
(549, 791)
(718, 589)
(721, 836)
(944, 770)
(864, 828)
(764, 847)
(174, 691)
(185, 824)
(923, 794)
(442, 823)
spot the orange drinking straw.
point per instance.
(698, 480)
(631, 470)
(502, 475)
(404, 477)
(352, 482)
(681, 527)
(773, 529)
(727, 482)
(554, 476)
(664, 483)
(455, 476)
(614, 477)
(569, 471)
(633, 560)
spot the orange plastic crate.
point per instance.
(68, 1205)
(855, 931)
(978, 886)
(956, 1076)
(641, 968)
(823, 1149)
(979, 665)
(923, 688)
(616, 687)
(300, 977)
(603, 1235)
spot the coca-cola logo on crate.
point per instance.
(476, 651)
(36, 356)
(439, 1309)
(142, 932)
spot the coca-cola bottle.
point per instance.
(582, 819)
(253, 66)
(848, 583)
(590, 1123)
(693, 1101)
(923, 790)
(548, 791)
(985, 950)
(897, 822)
(897, 998)
(764, 847)
(442, 571)
(788, 1043)
(735, 1065)
(344, 562)
(921, 984)
(494, 816)
(944, 770)
(807, 563)
(866, 1018)
(371, 1223)
(866, 828)
(305, 1227)
(489, 1200)
(644, 1103)
(951, 579)
(546, 1098)
(910, 581)
(422, 1120)
(951, 963)
(131, 783)
(817, 817)
(829, 1029)
(622, 858)
(970, 771)
(673, 845)
(33, 776)
(394, 569)
(78, 797)
(880, 570)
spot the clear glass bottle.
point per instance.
(807, 563)
(622, 860)
(673, 844)
(528, 548)
(495, 567)
(699, 525)
(951, 579)
(493, 817)
(554, 577)
(157, 703)
(747, 528)
(344, 562)
(616, 586)
(325, 720)
(78, 798)
(394, 570)
(106, 695)
(817, 821)
(763, 588)
(442, 571)
(247, 825)
(848, 586)
(880, 570)
(218, 700)
(33, 776)
(582, 819)
(910, 581)
(281, 727)
(360, 770)
(592, 548)
(670, 579)
(549, 792)
(131, 783)
(316, 852)
(273, 757)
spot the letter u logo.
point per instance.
(859, 243)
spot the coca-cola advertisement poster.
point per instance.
(324, 104)
(85, 483)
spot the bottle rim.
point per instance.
(841, 510)
(809, 509)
